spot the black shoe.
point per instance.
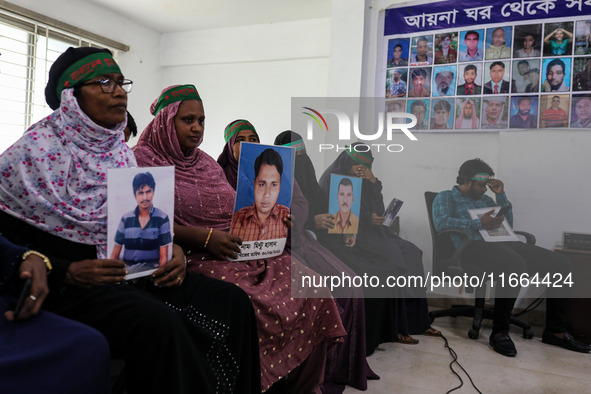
(568, 342)
(502, 344)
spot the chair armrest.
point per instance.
(465, 236)
(529, 237)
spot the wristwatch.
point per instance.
(42, 256)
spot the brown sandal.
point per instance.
(431, 332)
(406, 340)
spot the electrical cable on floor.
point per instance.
(454, 355)
(537, 303)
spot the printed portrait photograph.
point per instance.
(471, 45)
(419, 82)
(523, 112)
(498, 42)
(469, 79)
(446, 48)
(420, 109)
(345, 203)
(444, 80)
(421, 51)
(525, 76)
(442, 114)
(495, 110)
(496, 77)
(527, 41)
(398, 106)
(554, 111)
(580, 116)
(583, 38)
(398, 52)
(556, 74)
(558, 39)
(582, 74)
(467, 113)
(396, 82)
(140, 215)
(263, 192)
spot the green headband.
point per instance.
(89, 67)
(298, 145)
(359, 157)
(482, 176)
(178, 93)
(236, 127)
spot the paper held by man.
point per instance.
(502, 233)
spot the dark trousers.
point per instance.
(516, 258)
(199, 337)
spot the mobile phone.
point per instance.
(23, 297)
(503, 211)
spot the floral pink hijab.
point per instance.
(55, 176)
(203, 196)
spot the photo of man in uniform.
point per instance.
(265, 218)
(143, 234)
(346, 222)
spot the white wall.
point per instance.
(140, 64)
(249, 72)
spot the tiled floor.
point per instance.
(424, 368)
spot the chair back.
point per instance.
(443, 247)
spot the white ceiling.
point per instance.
(167, 16)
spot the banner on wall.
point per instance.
(488, 66)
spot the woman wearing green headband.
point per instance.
(294, 332)
(177, 332)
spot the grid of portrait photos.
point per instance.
(515, 76)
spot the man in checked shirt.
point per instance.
(450, 212)
(265, 219)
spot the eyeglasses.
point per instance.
(108, 85)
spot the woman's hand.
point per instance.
(32, 268)
(288, 221)
(224, 245)
(363, 172)
(350, 240)
(377, 220)
(88, 273)
(173, 272)
(324, 221)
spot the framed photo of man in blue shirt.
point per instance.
(140, 216)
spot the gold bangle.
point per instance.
(208, 237)
(42, 256)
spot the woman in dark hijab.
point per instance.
(394, 252)
(387, 319)
(236, 132)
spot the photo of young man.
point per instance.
(469, 79)
(471, 45)
(524, 111)
(527, 41)
(554, 111)
(557, 73)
